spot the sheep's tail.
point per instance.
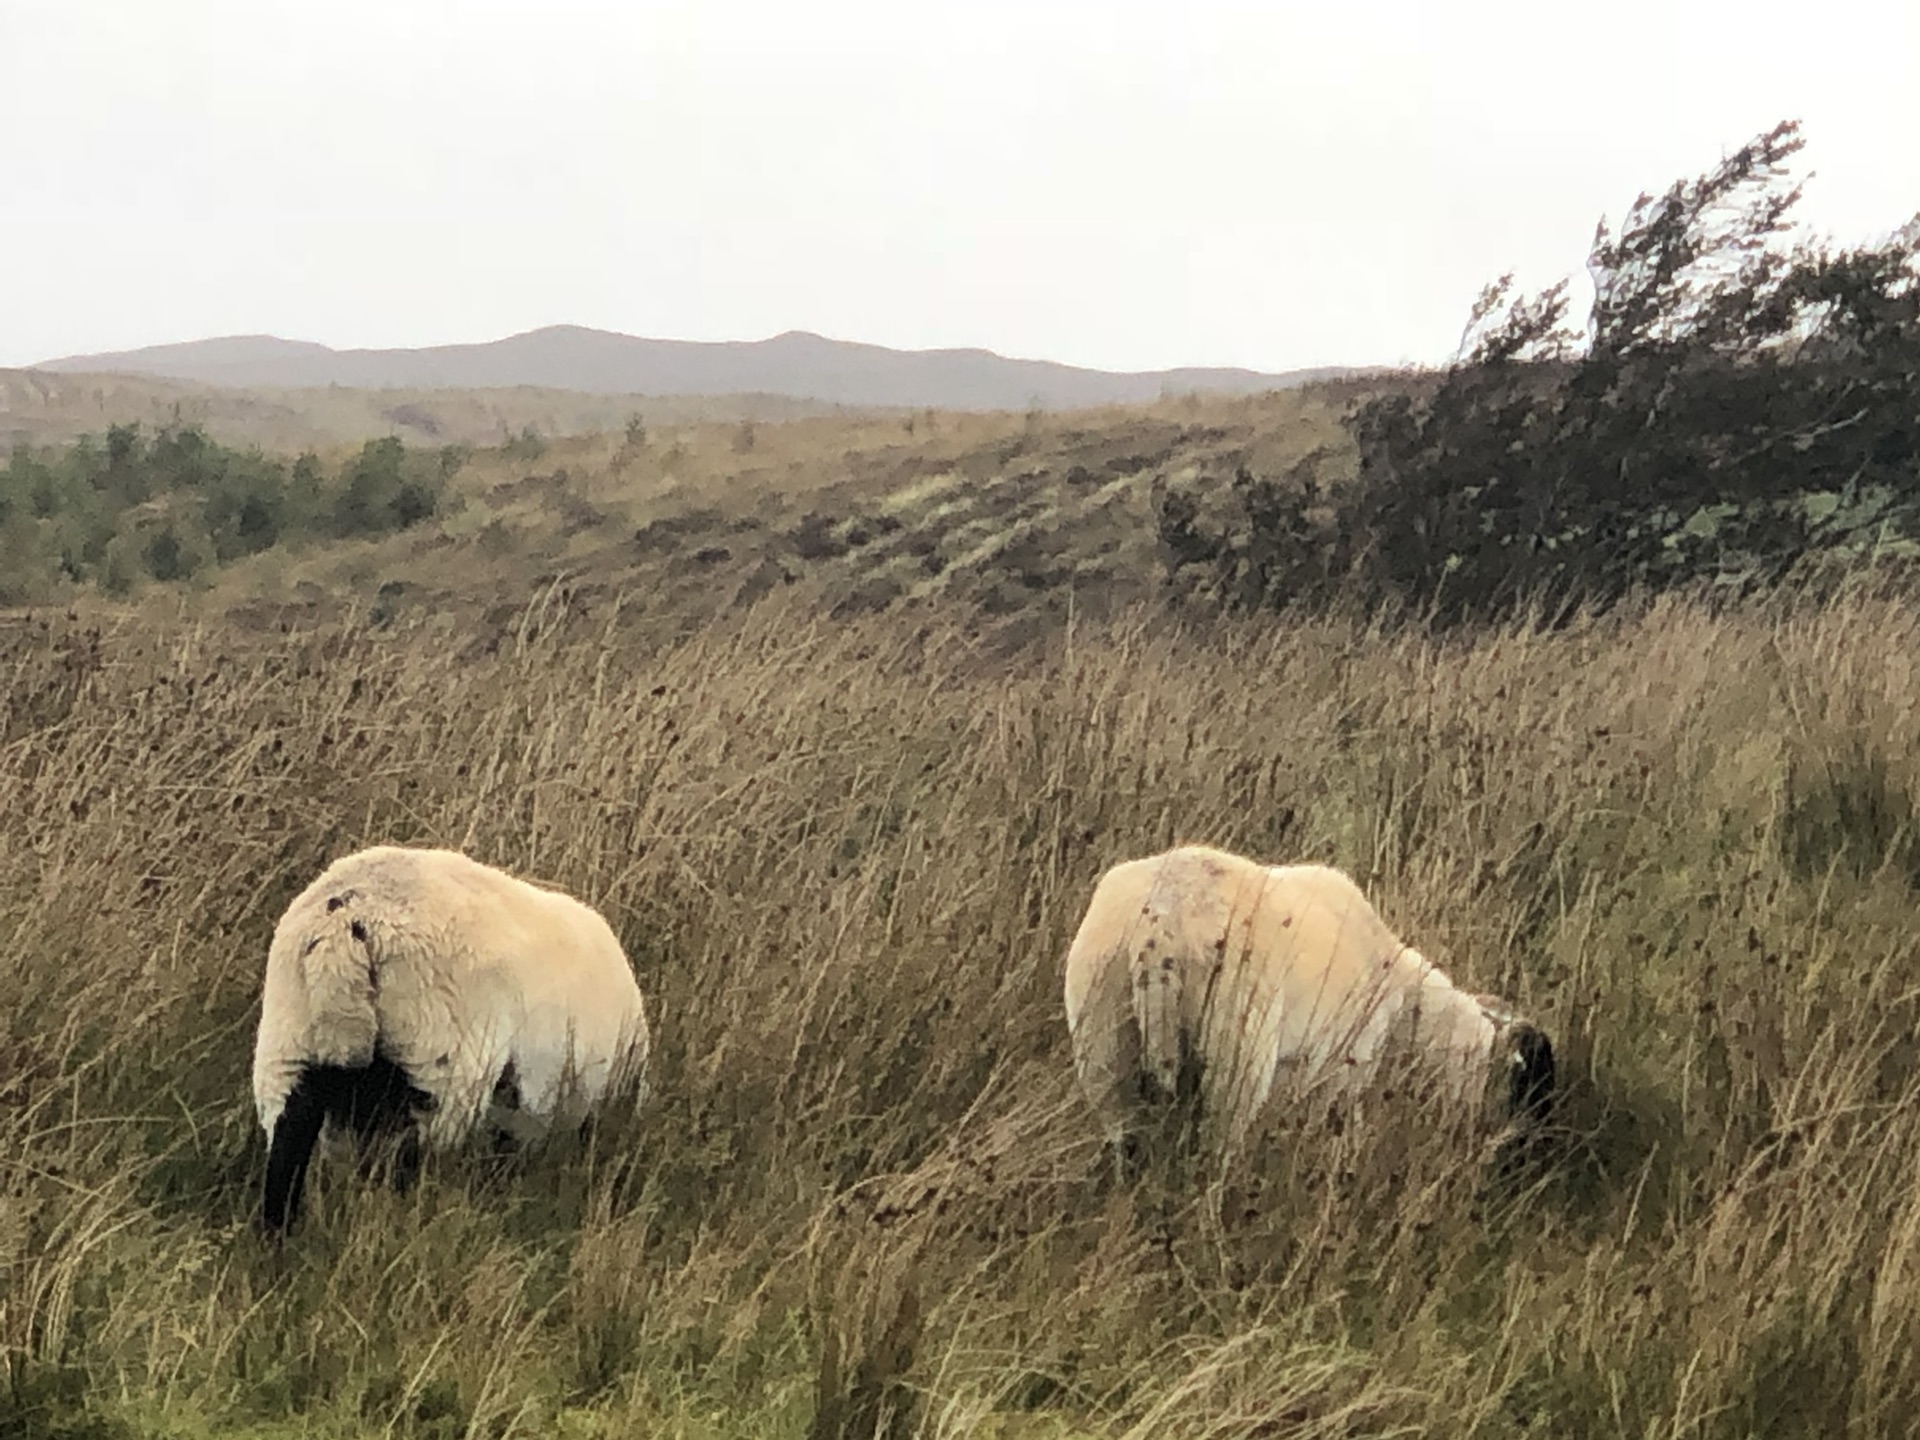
(1156, 980)
(343, 993)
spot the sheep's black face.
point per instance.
(1530, 1073)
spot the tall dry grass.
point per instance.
(846, 861)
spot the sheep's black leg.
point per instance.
(381, 1105)
(376, 1102)
(294, 1135)
(405, 1169)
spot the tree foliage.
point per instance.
(129, 508)
(1736, 408)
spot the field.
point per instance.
(43, 407)
(1007, 520)
(845, 848)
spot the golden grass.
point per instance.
(846, 859)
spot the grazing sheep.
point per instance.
(421, 993)
(1202, 974)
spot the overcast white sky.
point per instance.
(1114, 184)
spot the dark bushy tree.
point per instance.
(1724, 383)
(382, 492)
(165, 508)
(1734, 407)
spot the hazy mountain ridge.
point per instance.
(796, 365)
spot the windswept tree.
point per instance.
(1737, 403)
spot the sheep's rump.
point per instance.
(426, 982)
(1198, 968)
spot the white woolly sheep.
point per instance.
(420, 992)
(1204, 974)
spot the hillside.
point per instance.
(45, 407)
(839, 718)
(796, 366)
(1008, 519)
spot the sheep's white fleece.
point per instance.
(1270, 974)
(452, 969)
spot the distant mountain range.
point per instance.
(796, 365)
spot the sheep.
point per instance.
(419, 993)
(1201, 974)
